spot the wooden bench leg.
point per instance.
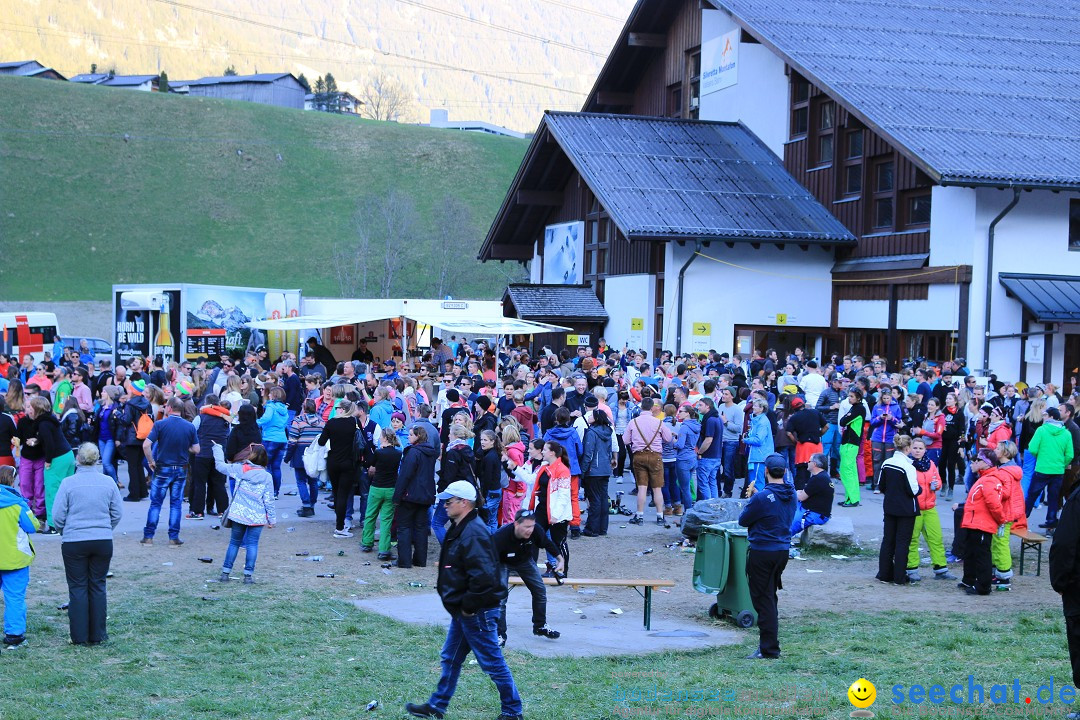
(1038, 561)
(648, 608)
(1023, 547)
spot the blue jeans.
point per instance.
(275, 452)
(684, 472)
(805, 519)
(476, 633)
(706, 477)
(168, 479)
(439, 518)
(755, 475)
(306, 487)
(14, 583)
(107, 448)
(247, 537)
(728, 450)
(670, 490)
(491, 502)
(830, 445)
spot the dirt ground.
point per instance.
(818, 583)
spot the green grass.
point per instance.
(271, 651)
(81, 208)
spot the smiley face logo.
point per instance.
(862, 694)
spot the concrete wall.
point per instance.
(759, 99)
(748, 288)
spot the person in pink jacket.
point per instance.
(927, 523)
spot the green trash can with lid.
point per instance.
(720, 567)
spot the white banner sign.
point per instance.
(720, 62)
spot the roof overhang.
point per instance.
(486, 326)
(1049, 298)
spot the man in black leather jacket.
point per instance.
(471, 586)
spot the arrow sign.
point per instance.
(702, 328)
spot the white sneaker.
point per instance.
(342, 534)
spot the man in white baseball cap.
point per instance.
(471, 586)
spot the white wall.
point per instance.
(626, 297)
(766, 282)
(1033, 238)
(759, 99)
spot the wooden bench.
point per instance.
(1030, 541)
(578, 583)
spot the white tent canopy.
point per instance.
(451, 321)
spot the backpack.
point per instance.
(143, 426)
(360, 446)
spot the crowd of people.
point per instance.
(537, 439)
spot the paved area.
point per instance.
(588, 627)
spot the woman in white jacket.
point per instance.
(251, 509)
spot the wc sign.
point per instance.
(720, 62)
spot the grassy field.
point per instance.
(99, 186)
(271, 651)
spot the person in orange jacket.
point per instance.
(1012, 500)
(927, 523)
(984, 516)
(998, 429)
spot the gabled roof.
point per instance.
(569, 302)
(661, 178)
(1049, 298)
(19, 64)
(976, 92)
(89, 78)
(229, 79)
(114, 81)
(28, 68)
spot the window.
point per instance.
(883, 213)
(853, 179)
(918, 210)
(1074, 224)
(800, 106)
(828, 115)
(884, 181)
(693, 74)
(854, 143)
(825, 117)
(825, 149)
(675, 101)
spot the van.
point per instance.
(27, 333)
(100, 348)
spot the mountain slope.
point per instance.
(513, 59)
(101, 186)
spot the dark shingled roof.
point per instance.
(230, 79)
(978, 92)
(1050, 298)
(571, 302)
(665, 178)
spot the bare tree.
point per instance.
(399, 225)
(384, 98)
(453, 231)
(351, 258)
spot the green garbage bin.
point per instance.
(720, 567)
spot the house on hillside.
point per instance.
(281, 89)
(937, 138)
(441, 119)
(338, 102)
(144, 83)
(29, 68)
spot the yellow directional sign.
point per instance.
(781, 318)
(637, 324)
(702, 328)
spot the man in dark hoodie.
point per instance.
(767, 518)
(1065, 577)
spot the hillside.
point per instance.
(493, 60)
(101, 186)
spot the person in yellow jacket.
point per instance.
(17, 523)
(927, 523)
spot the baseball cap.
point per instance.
(390, 363)
(459, 489)
(774, 461)
(797, 402)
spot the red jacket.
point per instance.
(1001, 432)
(1012, 495)
(928, 498)
(983, 509)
